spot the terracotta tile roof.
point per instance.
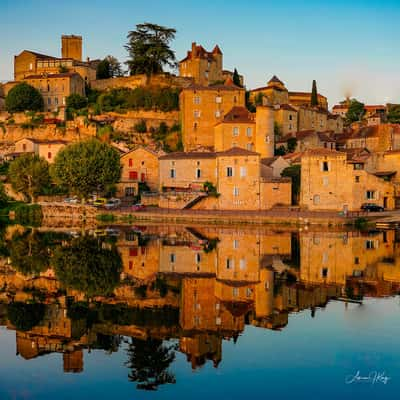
(264, 88)
(324, 137)
(190, 155)
(38, 141)
(275, 79)
(374, 107)
(53, 76)
(216, 88)
(236, 151)
(340, 107)
(320, 96)
(287, 107)
(269, 160)
(323, 152)
(217, 50)
(201, 52)
(239, 114)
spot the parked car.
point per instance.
(112, 203)
(372, 207)
(100, 202)
(138, 207)
(71, 200)
(112, 232)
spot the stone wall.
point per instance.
(132, 82)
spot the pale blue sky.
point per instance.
(346, 46)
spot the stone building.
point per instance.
(304, 99)
(253, 132)
(236, 175)
(330, 182)
(138, 166)
(32, 63)
(55, 88)
(202, 107)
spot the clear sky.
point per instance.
(349, 47)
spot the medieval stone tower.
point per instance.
(265, 140)
(71, 47)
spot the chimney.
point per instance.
(194, 50)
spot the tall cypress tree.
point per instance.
(314, 94)
(236, 78)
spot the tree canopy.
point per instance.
(24, 97)
(75, 101)
(86, 167)
(110, 67)
(236, 78)
(355, 111)
(28, 174)
(88, 266)
(314, 94)
(25, 316)
(393, 115)
(149, 49)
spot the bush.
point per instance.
(141, 127)
(76, 101)
(24, 97)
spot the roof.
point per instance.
(201, 52)
(37, 54)
(53, 76)
(268, 161)
(220, 87)
(323, 152)
(275, 79)
(308, 94)
(190, 155)
(384, 173)
(194, 155)
(236, 151)
(323, 137)
(287, 107)
(153, 152)
(239, 114)
(38, 141)
(374, 107)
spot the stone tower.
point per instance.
(71, 47)
(265, 140)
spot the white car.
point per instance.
(71, 200)
(112, 203)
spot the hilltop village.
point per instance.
(201, 139)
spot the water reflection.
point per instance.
(142, 286)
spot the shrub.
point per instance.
(76, 101)
(140, 127)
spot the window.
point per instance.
(133, 252)
(56, 101)
(49, 155)
(130, 264)
(130, 162)
(198, 257)
(356, 260)
(249, 132)
(172, 258)
(49, 101)
(235, 244)
(316, 199)
(48, 87)
(218, 99)
(196, 113)
(249, 146)
(24, 147)
(129, 191)
(290, 127)
(198, 173)
(290, 117)
(235, 292)
(370, 194)
(325, 181)
(235, 131)
(369, 244)
(172, 173)
(234, 99)
(235, 191)
(249, 292)
(196, 100)
(229, 171)
(243, 171)
(325, 166)
(358, 166)
(30, 67)
(324, 272)
(133, 175)
(195, 126)
(229, 263)
(357, 179)
(217, 114)
(242, 264)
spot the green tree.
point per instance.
(29, 174)
(25, 316)
(88, 266)
(236, 78)
(355, 112)
(149, 361)
(294, 172)
(86, 167)
(103, 70)
(24, 97)
(30, 253)
(291, 144)
(393, 115)
(3, 196)
(314, 94)
(149, 49)
(76, 102)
